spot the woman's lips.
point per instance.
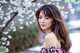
(43, 25)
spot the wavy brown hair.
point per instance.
(58, 27)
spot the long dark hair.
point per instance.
(58, 27)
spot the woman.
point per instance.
(50, 22)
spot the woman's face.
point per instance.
(45, 22)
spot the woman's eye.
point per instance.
(47, 17)
(40, 17)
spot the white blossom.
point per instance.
(21, 27)
(7, 43)
(72, 10)
(3, 43)
(27, 23)
(3, 49)
(4, 38)
(2, 25)
(6, 32)
(31, 22)
(9, 36)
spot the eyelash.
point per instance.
(40, 17)
(45, 18)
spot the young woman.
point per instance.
(50, 22)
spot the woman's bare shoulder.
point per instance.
(51, 40)
(50, 35)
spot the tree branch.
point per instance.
(15, 13)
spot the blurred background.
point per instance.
(19, 32)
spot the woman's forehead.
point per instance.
(42, 13)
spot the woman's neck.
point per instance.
(48, 31)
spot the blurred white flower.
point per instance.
(33, 4)
(7, 43)
(38, 4)
(9, 8)
(62, 7)
(2, 25)
(3, 43)
(72, 11)
(4, 38)
(7, 50)
(31, 22)
(3, 49)
(29, 11)
(21, 27)
(6, 32)
(9, 36)
(27, 23)
(69, 6)
(21, 19)
(14, 29)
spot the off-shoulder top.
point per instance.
(52, 50)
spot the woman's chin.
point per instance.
(43, 28)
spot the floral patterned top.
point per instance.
(52, 50)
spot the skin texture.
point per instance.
(51, 40)
(45, 22)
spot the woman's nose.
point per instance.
(42, 20)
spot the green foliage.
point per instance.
(24, 38)
(73, 1)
